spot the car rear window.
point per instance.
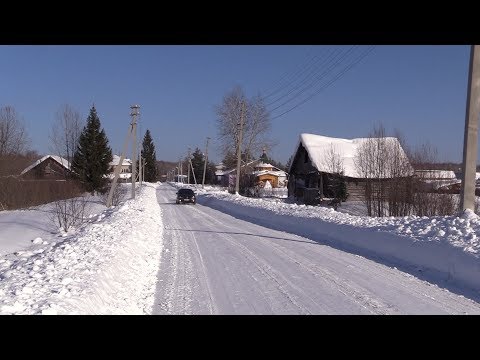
(185, 192)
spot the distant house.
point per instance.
(125, 170)
(264, 172)
(260, 172)
(180, 178)
(309, 172)
(219, 173)
(49, 167)
(437, 179)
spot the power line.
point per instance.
(287, 74)
(331, 67)
(330, 62)
(335, 78)
(294, 76)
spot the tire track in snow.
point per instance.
(177, 295)
(211, 305)
(362, 296)
(264, 268)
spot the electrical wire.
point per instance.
(292, 78)
(332, 81)
(332, 62)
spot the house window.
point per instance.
(305, 160)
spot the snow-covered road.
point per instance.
(213, 263)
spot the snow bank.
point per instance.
(19, 228)
(446, 247)
(108, 267)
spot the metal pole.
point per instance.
(467, 195)
(239, 151)
(134, 114)
(205, 163)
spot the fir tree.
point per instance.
(289, 162)
(150, 158)
(229, 160)
(91, 159)
(264, 158)
(198, 161)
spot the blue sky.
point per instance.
(419, 90)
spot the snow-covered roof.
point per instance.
(436, 174)
(263, 165)
(318, 145)
(58, 159)
(116, 160)
(279, 173)
(234, 170)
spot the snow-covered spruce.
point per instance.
(108, 267)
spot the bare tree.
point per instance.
(366, 163)
(66, 131)
(400, 185)
(70, 212)
(119, 194)
(255, 128)
(334, 180)
(382, 163)
(333, 162)
(424, 157)
(71, 209)
(13, 135)
(428, 198)
(228, 119)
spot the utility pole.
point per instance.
(188, 167)
(239, 150)
(119, 166)
(193, 172)
(470, 140)
(179, 171)
(140, 167)
(134, 115)
(205, 164)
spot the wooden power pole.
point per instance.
(134, 115)
(188, 166)
(131, 132)
(205, 163)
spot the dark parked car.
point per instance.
(186, 195)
